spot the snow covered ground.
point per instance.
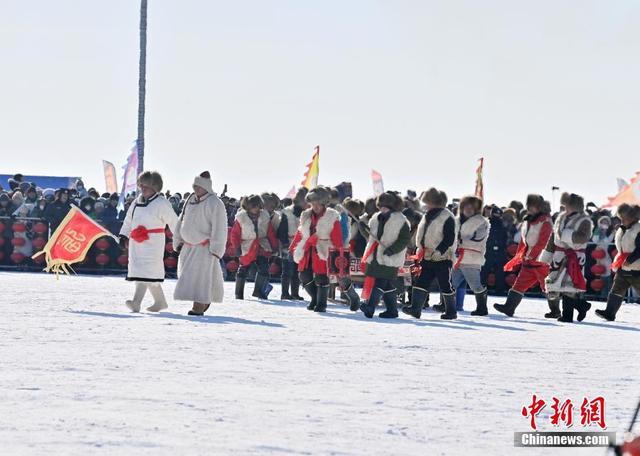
(81, 375)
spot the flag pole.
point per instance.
(142, 72)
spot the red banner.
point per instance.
(71, 241)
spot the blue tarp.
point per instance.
(54, 182)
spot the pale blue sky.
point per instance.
(546, 91)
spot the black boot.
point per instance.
(390, 299)
(323, 295)
(450, 312)
(613, 305)
(284, 285)
(295, 288)
(509, 307)
(440, 307)
(418, 298)
(240, 281)
(312, 289)
(258, 287)
(582, 307)
(568, 304)
(369, 308)
(353, 298)
(554, 307)
(481, 304)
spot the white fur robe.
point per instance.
(146, 259)
(199, 271)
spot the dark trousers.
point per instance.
(289, 268)
(435, 270)
(262, 265)
(308, 276)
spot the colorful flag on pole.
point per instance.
(629, 194)
(71, 241)
(110, 178)
(130, 179)
(313, 171)
(479, 184)
(378, 185)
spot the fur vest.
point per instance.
(472, 238)
(292, 221)
(431, 235)
(323, 229)
(390, 234)
(626, 243)
(250, 232)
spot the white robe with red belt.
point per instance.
(202, 233)
(146, 258)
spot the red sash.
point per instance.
(619, 260)
(141, 233)
(460, 253)
(573, 268)
(517, 259)
(369, 282)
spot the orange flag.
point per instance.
(313, 171)
(71, 241)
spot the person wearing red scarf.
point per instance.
(535, 233)
(319, 231)
(626, 264)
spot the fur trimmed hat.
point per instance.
(535, 200)
(574, 201)
(354, 206)
(631, 211)
(320, 194)
(151, 179)
(370, 206)
(300, 197)
(434, 197)
(270, 198)
(251, 201)
(204, 181)
(474, 201)
(390, 200)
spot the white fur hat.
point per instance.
(204, 181)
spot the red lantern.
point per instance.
(274, 269)
(510, 279)
(171, 262)
(39, 243)
(40, 228)
(19, 227)
(597, 284)
(18, 241)
(123, 260)
(598, 254)
(102, 243)
(17, 257)
(512, 249)
(491, 280)
(168, 247)
(598, 269)
(102, 259)
(39, 259)
(232, 266)
(168, 233)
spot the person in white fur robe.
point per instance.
(143, 233)
(201, 238)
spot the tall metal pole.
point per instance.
(142, 71)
